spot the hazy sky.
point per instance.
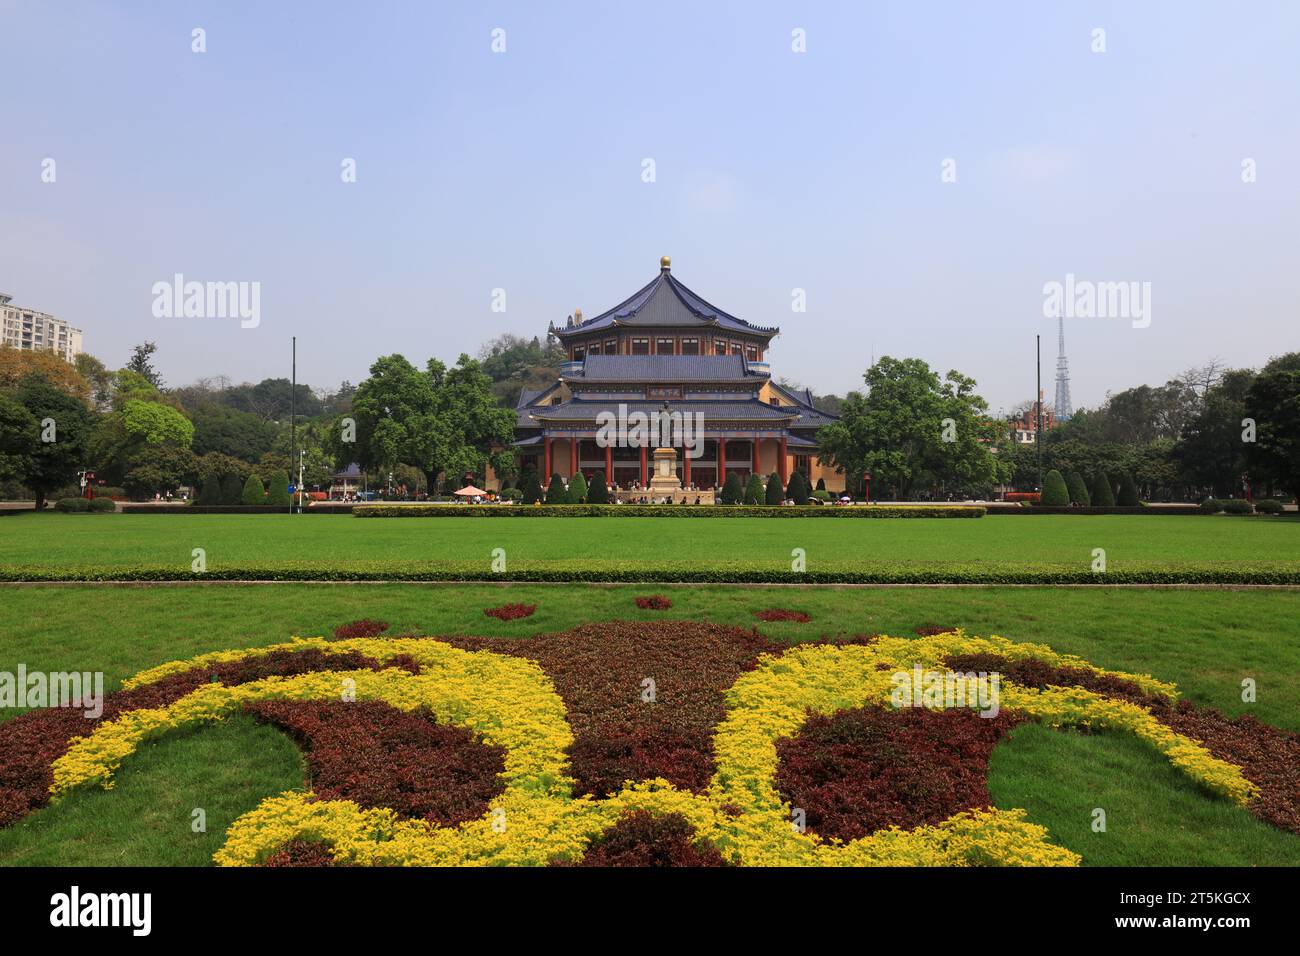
(774, 170)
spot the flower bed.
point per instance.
(639, 744)
(655, 602)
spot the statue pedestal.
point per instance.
(665, 483)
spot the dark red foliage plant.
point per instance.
(655, 602)
(622, 730)
(862, 770)
(640, 838)
(782, 614)
(362, 628)
(510, 612)
(372, 753)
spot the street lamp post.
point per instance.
(866, 486)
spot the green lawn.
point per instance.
(1206, 641)
(102, 544)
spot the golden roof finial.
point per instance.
(666, 264)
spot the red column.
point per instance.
(547, 477)
(755, 464)
(645, 479)
(609, 464)
(783, 462)
(722, 461)
(686, 466)
(573, 456)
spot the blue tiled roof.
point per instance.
(666, 368)
(663, 302)
(579, 409)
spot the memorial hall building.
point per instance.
(665, 348)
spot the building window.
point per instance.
(663, 391)
(720, 347)
(690, 346)
(593, 349)
(640, 346)
(578, 352)
(664, 347)
(611, 347)
(751, 353)
(737, 348)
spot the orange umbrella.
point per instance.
(469, 491)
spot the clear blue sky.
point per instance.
(775, 170)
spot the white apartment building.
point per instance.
(23, 328)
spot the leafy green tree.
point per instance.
(141, 363)
(754, 490)
(159, 468)
(514, 363)
(1273, 401)
(220, 428)
(598, 493)
(60, 450)
(532, 488)
(254, 493)
(912, 429)
(1128, 493)
(556, 493)
(440, 420)
(1078, 489)
(775, 494)
(733, 492)
(1055, 492)
(19, 435)
(1102, 492)
(98, 377)
(277, 492)
(1210, 452)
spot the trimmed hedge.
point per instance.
(72, 505)
(103, 505)
(659, 511)
(632, 572)
(1268, 506)
(1111, 510)
(227, 510)
(1237, 506)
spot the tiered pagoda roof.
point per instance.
(664, 302)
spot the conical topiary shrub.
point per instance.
(577, 490)
(556, 493)
(1103, 495)
(597, 491)
(775, 493)
(254, 493)
(1128, 491)
(277, 492)
(1055, 493)
(797, 489)
(232, 490)
(754, 492)
(210, 492)
(532, 488)
(1078, 489)
(733, 492)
